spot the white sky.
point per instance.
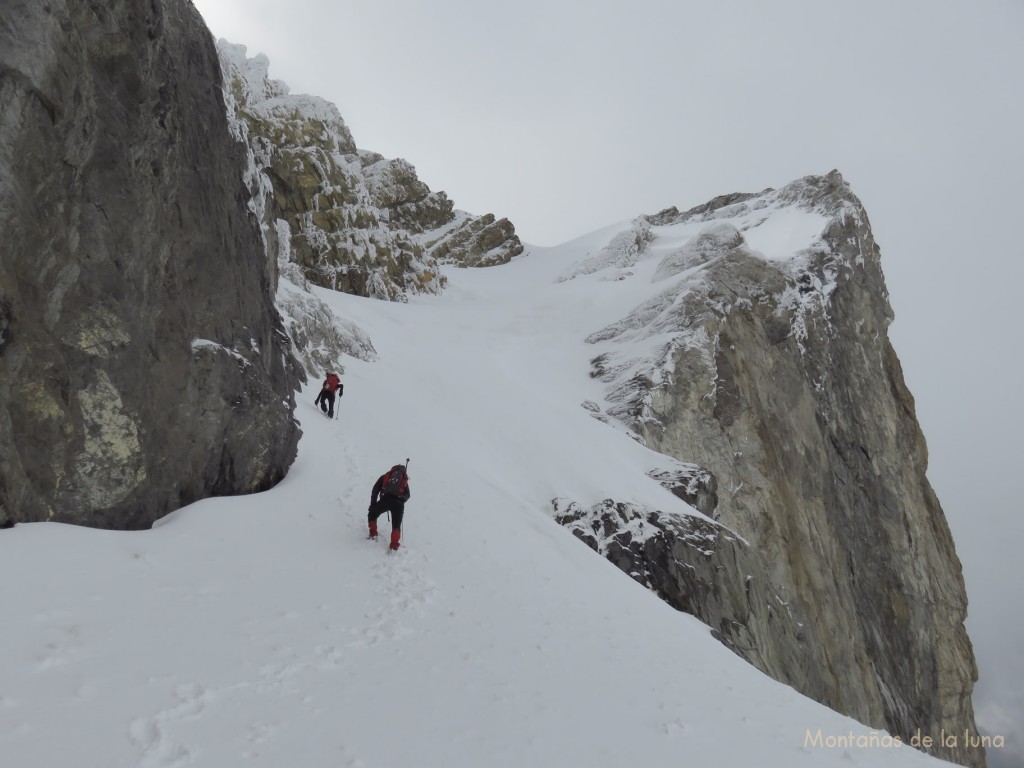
(568, 116)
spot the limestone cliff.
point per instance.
(143, 364)
(764, 360)
(351, 219)
(709, 572)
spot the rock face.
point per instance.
(351, 219)
(705, 570)
(773, 373)
(319, 338)
(143, 364)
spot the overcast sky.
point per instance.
(568, 116)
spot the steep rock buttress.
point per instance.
(143, 364)
(772, 373)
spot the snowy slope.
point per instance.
(266, 630)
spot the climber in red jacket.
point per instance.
(332, 385)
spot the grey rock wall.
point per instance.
(705, 570)
(143, 364)
(779, 382)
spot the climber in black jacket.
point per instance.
(389, 494)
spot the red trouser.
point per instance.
(396, 507)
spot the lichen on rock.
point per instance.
(110, 465)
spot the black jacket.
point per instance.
(377, 493)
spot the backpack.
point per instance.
(396, 482)
(333, 382)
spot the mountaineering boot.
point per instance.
(373, 530)
(395, 536)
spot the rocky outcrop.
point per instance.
(319, 338)
(354, 221)
(773, 372)
(705, 570)
(623, 251)
(695, 485)
(143, 364)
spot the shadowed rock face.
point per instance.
(142, 363)
(779, 382)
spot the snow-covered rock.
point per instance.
(707, 571)
(622, 252)
(762, 357)
(355, 221)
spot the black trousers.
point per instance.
(326, 398)
(391, 504)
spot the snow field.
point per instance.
(267, 630)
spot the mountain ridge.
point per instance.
(354, 220)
